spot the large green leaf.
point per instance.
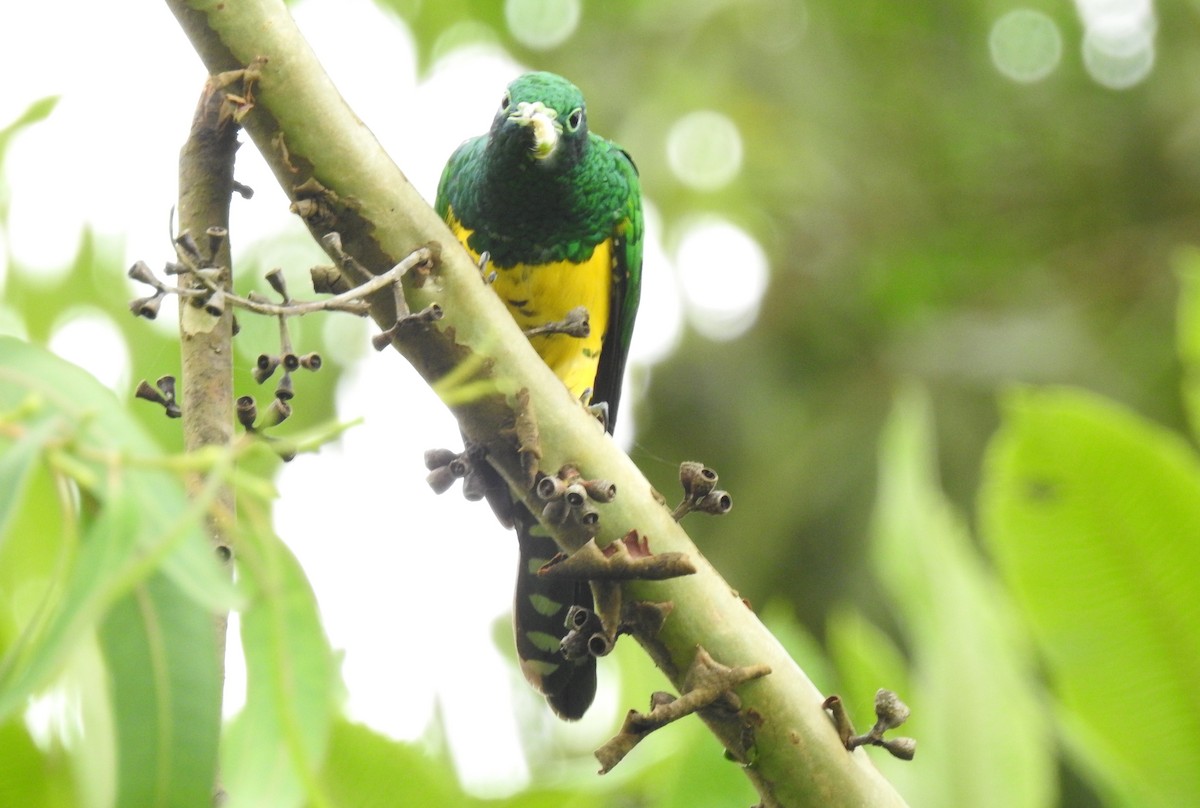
(29, 777)
(155, 631)
(72, 605)
(1093, 517)
(274, 749)
(983, 739)
(366, 770)
(166, 694)
(19, 460)
(90, 416)
(1188, 332)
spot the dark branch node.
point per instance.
(408, 325)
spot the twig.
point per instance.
(708, 684)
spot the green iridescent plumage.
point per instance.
(528, 211)
(558, 209)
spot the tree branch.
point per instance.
(206, 342)
(340, 179)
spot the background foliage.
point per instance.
(957, 433)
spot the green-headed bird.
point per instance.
(559, 211)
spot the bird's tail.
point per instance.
(539, 621)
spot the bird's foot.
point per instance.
(599, 410)
(574, 324)
(485, 258)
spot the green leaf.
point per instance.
(1092, 515)
(166, 695)
(867, 659)
(1187, 339)
(366, 770)
(977, 717)
(780, 618)
(37, 111)
(92, 416)
(155, 633)
(69, 608)
(18, 461)
(30, 777)
(143, 517)
(440, 28)
(274, 749)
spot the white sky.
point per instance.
(371, 535)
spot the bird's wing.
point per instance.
(626, 284)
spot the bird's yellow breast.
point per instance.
(542, 293)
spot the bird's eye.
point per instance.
(505, 101)
(575, 119)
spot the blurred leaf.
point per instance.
(867, 659)
(157, 640)
(166, 694)
(37, 111)
(440, 27)
(1092, 515)
(71, 605)
(1187, 266)
(367, 770)
(18, 462)
(780, 618)
(273, 750)
(30, 777)
(982, 737)
(142, 517)
(88, 413)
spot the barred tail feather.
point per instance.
(539, 617)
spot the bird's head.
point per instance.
(542, 118)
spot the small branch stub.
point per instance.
(421, 320)
(627, 559)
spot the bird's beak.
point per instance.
(541, 121)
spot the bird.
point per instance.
(554, 213)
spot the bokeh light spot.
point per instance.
(723, 275)
(1118, 40)
(1116, 68)
(1026, 45)
(542, 24)
(89, 338)
(704, 150)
